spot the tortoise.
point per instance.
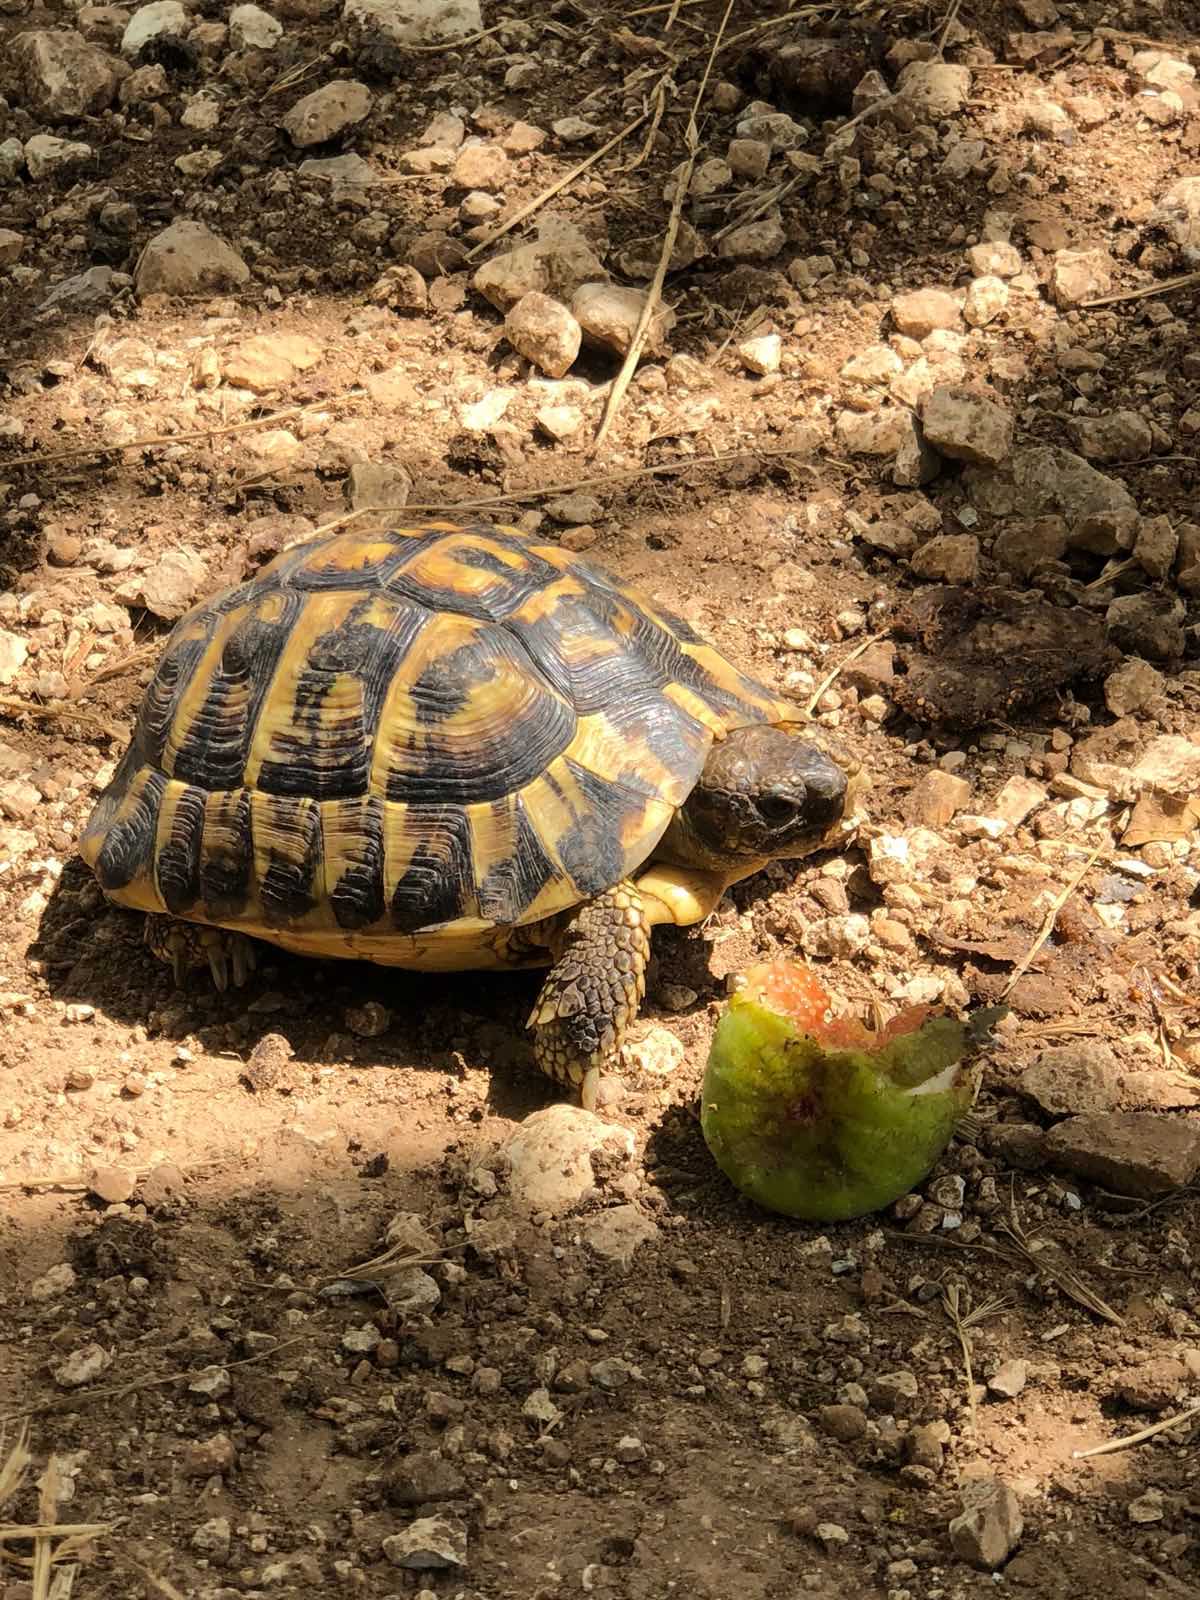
(452, 747)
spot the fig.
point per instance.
(820, 1117)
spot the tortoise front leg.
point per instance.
(186, 945)
(593, 989)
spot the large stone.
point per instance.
(269, 361)
(609, 314)
(1080, 275)
(557, 263)
(1134, 683)
(990, 1528)
(1116, 436)
(1134, 1153)
(45, 154)
(1073, 1078)
(1178, 215)
(934, 88)
(967, 427)
(164, 19)
(1149, 624)
(62, 75)
(1041, 480)
(917, 312)
(947, 558)
(544, 332)
(430, 1544)
(550, 1156)
(326, 113)
(408, 22)
(187, 258)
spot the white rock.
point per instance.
(985, 299)
(544, 332)
(202, 114)
(45, 153)
(405, 22)
(13, 654)
(559, 422)
(429, 1544)
(252, 28)
(873, 433)
(994, 258)
(774, 129)
(164, 19)
(1080, 275)
(876, 366)
(486, 412)
(168, 588)
(550, 1156)
(480, 165)
(761, 353)
(934, 88)
(82, 1366)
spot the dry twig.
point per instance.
(832, 676)
(963, 1319)
(1059, 902)
(56, 711)
(556, 187)
(1184, 281)
(118, 1391)
(1068, 1282)
(683, 179)
(1140, 1437)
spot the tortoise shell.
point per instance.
(388, 741)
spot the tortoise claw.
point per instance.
(185, 946)
(218, 966)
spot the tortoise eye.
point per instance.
(776, 807)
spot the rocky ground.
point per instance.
(312, 1288)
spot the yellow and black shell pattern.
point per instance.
(391, 745)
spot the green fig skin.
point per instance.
(826, 1134)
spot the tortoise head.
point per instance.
(764, 792)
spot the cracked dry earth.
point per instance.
(307, 1288)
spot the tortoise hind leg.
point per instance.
(187, 945)
(593, 989)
